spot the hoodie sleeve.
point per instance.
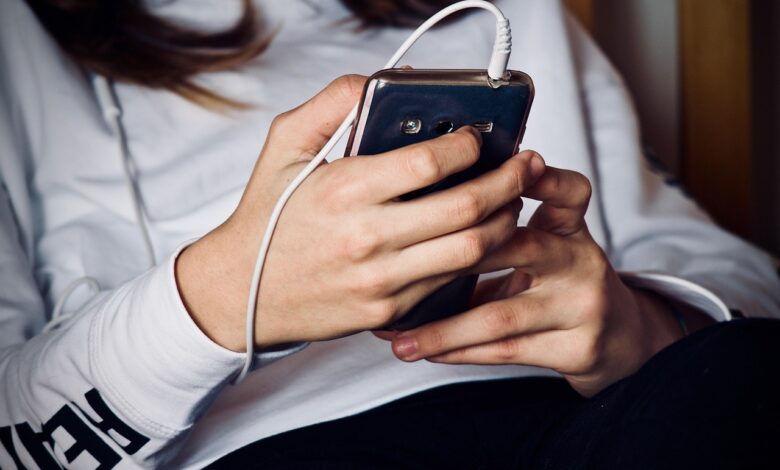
(659, 237)
(116, 385)
(124, 379)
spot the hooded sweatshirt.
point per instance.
(129, 380)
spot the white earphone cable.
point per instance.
(496, 70)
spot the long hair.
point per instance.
(122, 40)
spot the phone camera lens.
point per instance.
(444, 127)
(411, 126)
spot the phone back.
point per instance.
(401, 107)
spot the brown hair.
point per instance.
(122, 40)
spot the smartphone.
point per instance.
(400, 107)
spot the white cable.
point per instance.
(57, 317)
(496, 71)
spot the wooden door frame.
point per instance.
(583, 10)
(716, 81)
(716, 104)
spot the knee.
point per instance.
(737, 355)
(747, 339)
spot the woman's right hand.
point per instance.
(347, 254)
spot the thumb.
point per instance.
(303, 131)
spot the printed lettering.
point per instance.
(8, 442)
(110, 421)
(86, 439)
(34, 443)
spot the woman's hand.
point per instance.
(563, 307)
(347, 255)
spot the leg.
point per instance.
(468, 425)
(709, 401)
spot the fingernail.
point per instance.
(405, 347)
(536, 165)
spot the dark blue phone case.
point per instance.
(433, 97)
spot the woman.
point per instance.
(139, 373)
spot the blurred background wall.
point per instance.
(766, 90)
(705, 76)
(641, 37)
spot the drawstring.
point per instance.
(112, 113)
(57, 317)
(108, 100)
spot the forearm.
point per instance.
(131, 360)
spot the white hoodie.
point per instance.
(130, 380)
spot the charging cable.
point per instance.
(496, 71)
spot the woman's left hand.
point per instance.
(563, 307)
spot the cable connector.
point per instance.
(502, 48)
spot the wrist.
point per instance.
(213, 287)
(661, 326)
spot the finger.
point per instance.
(387, 305)
(466, 204)
(500, 288)
(385, 335)
(489, 290)
(529, 250)
(538, 350)
(308, 127)
(521, 315)
(406, 298)
(395, 173)
(565, 195)
(456, 251)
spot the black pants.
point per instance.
(711, 400)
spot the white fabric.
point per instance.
(65, 212)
